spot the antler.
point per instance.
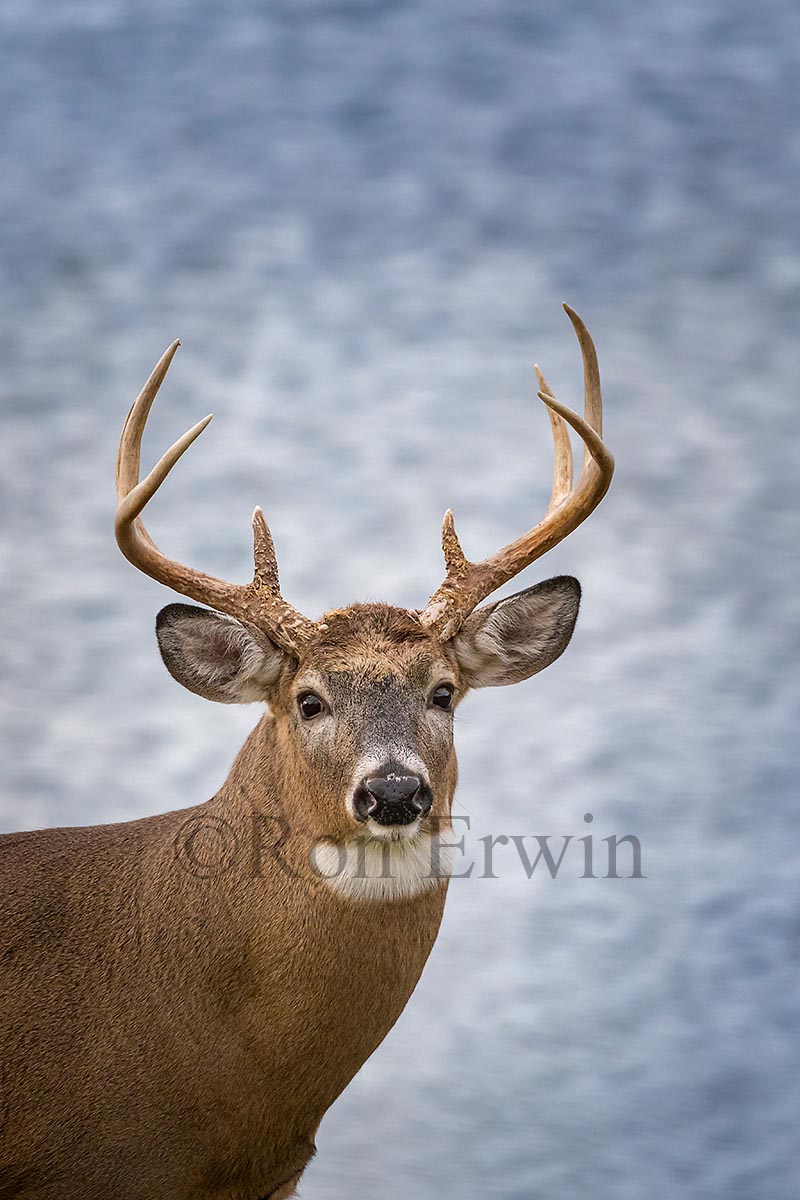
(466, 583)
(260, 602)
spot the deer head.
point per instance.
(362, 700)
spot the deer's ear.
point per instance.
(216, 656)
(514, 638)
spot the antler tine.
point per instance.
(593, 399)
(130, 444)
(562, 466)
(260, 602)
(466, 583)
(455, 559)
(132, 504)
(264, 557)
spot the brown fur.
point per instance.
(174, 1033)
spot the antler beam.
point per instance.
(466, 583)
(260, 603)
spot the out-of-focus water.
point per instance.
(361, 218)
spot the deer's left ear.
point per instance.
(514, 638)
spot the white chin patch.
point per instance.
(391, 833)
(385, 862)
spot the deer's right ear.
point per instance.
(216, 656)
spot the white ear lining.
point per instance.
(259, 668)
(519, 635)
(216, 656)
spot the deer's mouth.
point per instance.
(393, 832)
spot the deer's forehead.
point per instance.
(370, 641)
(375, 670)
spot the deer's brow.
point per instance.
(310, 681)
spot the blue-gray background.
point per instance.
(361, 218)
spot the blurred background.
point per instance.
(361, 218)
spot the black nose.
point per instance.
(393, 789)
(393, 799)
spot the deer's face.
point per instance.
(363, 719)
(366, 720)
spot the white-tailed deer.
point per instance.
(183, 997)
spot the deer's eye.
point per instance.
(310, 705)
(442, 696)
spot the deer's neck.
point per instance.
(312, 979)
